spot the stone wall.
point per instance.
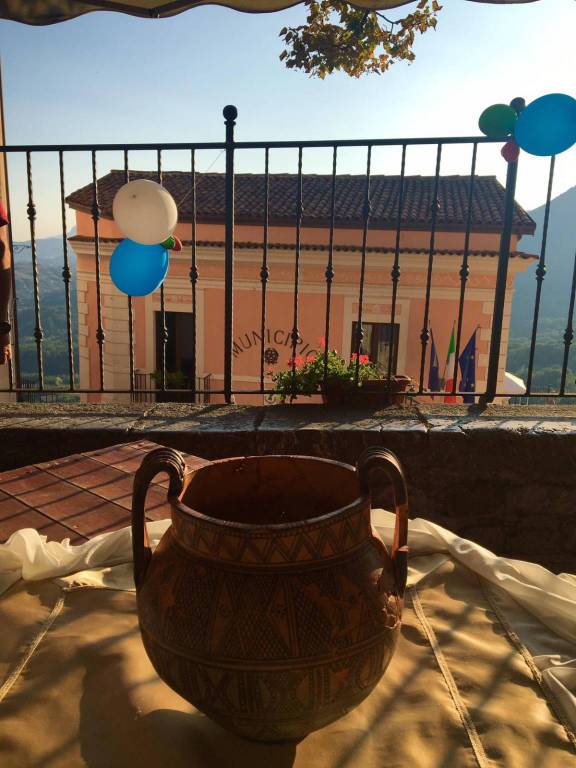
(504, 476)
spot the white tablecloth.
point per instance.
(549, 599)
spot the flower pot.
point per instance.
(372, 393)
(270, 603)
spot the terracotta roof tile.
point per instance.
(487, 203)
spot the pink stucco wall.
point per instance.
(312, 299)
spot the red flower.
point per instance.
(322, 343)
(310, 358)
(353, 356)
(364, 359)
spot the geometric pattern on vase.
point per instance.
(312, 542)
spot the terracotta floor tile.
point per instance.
(55, 491)
(77, 503)
(11, 507)
(129, 464)
(28, 480)
(132, 463)
(157, 507)
(74, 466)
(115, 489)
(56, 532)
(106, 517)
(82, 495)
(101, 475)
(118, 453)
(13, 474)
(29, 518)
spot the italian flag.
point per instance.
(449, 370)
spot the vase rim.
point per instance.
(272, 528)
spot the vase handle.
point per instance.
(377, 467)
(159, 460)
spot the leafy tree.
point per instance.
(338, 36)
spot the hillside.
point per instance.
(555, 297)
(52, 307)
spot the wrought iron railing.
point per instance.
(144, 383)
(230, 148)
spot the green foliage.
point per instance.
(55, 356)
(305, 377)
(174, 379)
(338, 36)
(548, 359)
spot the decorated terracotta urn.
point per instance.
(271, 604)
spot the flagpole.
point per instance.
(475, 359)
(447, 356)
(449, 397)
(432, 347)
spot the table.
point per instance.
(77, 690)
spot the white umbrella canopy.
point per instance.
(42, 12)
(513, 385)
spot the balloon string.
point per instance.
(213, 163)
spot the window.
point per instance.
(379, 339)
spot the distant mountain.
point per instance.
(555, 296)
(560, 250)
(52, 299)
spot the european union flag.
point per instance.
(467, 363)
(434, 373)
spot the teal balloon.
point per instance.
(137, 269)
(547, 126)
(497, 121)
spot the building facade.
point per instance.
(201, 217)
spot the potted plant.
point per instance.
(174, 380)
(306, 377)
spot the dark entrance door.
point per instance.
(179, 357)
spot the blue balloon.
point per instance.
(547, 126)
(138, 269)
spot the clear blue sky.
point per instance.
(109, 77)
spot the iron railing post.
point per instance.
(501, 280)
(517, 104)
(230, 114)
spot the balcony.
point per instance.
(383, 264)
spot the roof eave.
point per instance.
(518, 229)
(342, 247)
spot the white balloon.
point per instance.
(145, 212)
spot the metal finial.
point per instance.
(230, 113)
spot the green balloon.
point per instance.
(497, 121)
(169, 243)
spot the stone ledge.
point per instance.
(180, 416)
(503, 476)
